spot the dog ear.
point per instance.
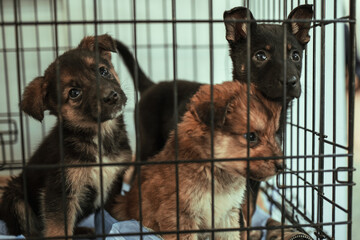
(237, 30)
(203, 113)
(301, 29)
(105, 44)
(200, 104)
(33, 98)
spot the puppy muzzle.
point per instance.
(111, 98)
(293, 89)
(112, 103)
(279, 166)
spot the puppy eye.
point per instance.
(295, 56)
(252, 137)
(260, 56)
(74, 93)
(104, 72)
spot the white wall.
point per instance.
(192, 64)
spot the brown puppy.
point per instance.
(158, 182)
(266, 72)
(85, 74)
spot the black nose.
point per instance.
(292, 81)
(111, 98)
(279, 166)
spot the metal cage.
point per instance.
(186, 40)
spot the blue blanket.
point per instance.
(117, 230)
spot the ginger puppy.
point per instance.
(91, 104)
(231, 138)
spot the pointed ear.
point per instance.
(237, 30)
(33, 98)
(301, 29)
(105, 44)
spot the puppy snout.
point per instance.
(279, 166)
(279, 163)
(111, 98)
(292, 81)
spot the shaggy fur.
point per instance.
(158, 182)
(37, 208)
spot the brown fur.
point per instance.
(4, 180)
(95, 110)
(156, 107)
(158, 182)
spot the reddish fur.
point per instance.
(158, 182)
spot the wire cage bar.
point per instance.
(173, 40)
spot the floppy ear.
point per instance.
(203, 113)
(301, 29)
(105, 44)
(237, 30)
(200, 104)
(33, 100)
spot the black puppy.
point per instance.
(51, 190)
(156, 107)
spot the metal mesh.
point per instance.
(185, 40)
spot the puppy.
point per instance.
(230, 138)
(156, 106)
(47, 195)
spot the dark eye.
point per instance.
(104, 72)
(252, 137)
(295, 56)
(74, 93)
(260, 56)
